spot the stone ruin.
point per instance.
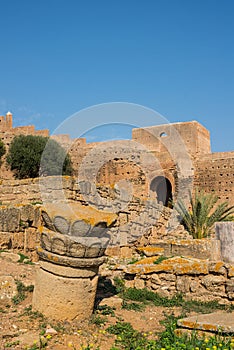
(73, 243)
(71, 250)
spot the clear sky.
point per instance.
(174, 56)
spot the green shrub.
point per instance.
(30, 156)
(2, 150)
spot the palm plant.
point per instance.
(204, 211)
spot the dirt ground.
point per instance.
(21, 327)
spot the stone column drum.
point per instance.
(66, 280)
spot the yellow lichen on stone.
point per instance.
(175, 265)
(231, 271)
(156, 250)
(76, 211)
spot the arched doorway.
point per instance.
(163, 189)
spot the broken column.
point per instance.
(70, 254)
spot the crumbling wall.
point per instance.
(19, 228)
(195, 279)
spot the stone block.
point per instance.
(139, 283)
(214, 283)
(183, 284)
(225, 233)
(214, 322)
(197, 248)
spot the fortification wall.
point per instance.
(195, 137)
(214, 173)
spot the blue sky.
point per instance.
(174, 56)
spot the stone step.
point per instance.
(218, 322)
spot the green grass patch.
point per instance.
(130, 339)
(133, 306)
(146, 296)
(106, 310)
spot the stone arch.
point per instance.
(162, 187)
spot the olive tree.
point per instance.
(32, 156)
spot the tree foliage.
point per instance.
(204, 213)
(32, 156)
(2, 150)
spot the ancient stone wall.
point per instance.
(214, 173)
(19, 228)
(195, 279)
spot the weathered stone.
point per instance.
(215, 284)
(6, 240)
(214, 322)
(225, 233)
(163, 292)
(217, 267)
(139, 283)
(9, 219)
(231, 271)
(151, 251)
(129, 284)
(64, 298)
(177, 265)
(230, 286)
(10, 256)
(155, 279)
(80, 228)
(61, 224)
(69, 261)
(183, 284)
(73, 246)
(8, 289)
(27, 213)
(72, 272)
(167, 277)
(114, 302)
(197, 248)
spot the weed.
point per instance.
(23, 224)
(133, 261)
(9, 345)
(24, 259)
(160, 259)
(132, 306)
(146, 296)
(130, 339)
(32, 314)
(21, 290)
(127, 337)
(119, 284)
(98, 320)
(106, 310)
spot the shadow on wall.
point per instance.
(162, 187)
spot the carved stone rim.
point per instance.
(69, 261)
